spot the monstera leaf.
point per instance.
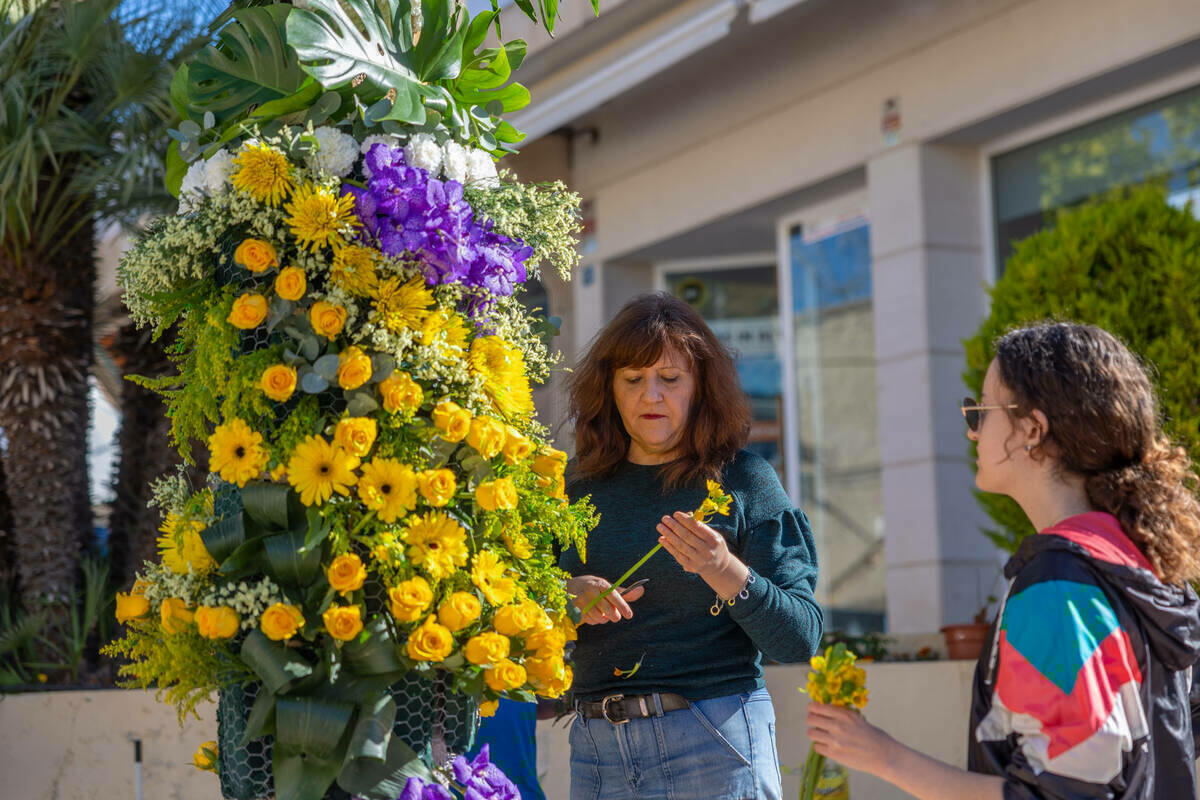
(336, 51)
(250, 66)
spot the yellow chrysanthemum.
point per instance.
(403, 305)
(317, 217)
(317, 469)
(353, 269)
(503, 371)
(436, 543)
(447, 331)
(388, 488)
(236, 452)
(263, 172)
(181, 547)
(488, 574)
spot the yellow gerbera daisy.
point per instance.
(403, 305)
(354, 269)
(263, 172)
(389, 488)
(503, 371)
(236, 452)
(436, 543)
(181, 547)
(488, 574)
(318, 217)
(317, 469)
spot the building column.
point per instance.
(928, 275)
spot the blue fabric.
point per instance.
(511, 732)
(722, 748)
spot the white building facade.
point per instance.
(834, 185)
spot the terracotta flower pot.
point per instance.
(966, 641)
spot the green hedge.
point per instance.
(1127, 262)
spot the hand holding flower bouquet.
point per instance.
(833, 680)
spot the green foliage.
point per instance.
(544, 215)
(1129, 263)
(84, 109)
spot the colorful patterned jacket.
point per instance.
(1083, 691)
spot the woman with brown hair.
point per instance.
(1084, 690)
(670, 696)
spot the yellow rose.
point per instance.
(500, 494)
(205, 756)
(327, 319)
(550, 463)
(452, 420)
(488, 708)
(459, 610)
(401, 393)
(437, 486)
(542, 671)
(554, 487)
(487, 436)
(557, 687)
(515, 620)
(343, 622)
(248, 311)
(281, 622)
(278, 382)
(256, 255)
(506, 674)
(346, 574)
(291, 283)
(517, 447)
(546, 643)
(355, 435)
(354, 368)
(517, 543)
(430, 642)
(410, 598)
(487, 648)
(562, 621)
(220, 622)
(175, 615)
(131, 606)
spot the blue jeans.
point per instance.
(719, 749)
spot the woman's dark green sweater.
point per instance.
(682, 647)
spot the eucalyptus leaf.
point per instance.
(310, 346)
(190, 129)
(360, 404)
(210, 120)
(312, 383)
(382, 366)
(326, 367)
(278, 311)
(292, 358)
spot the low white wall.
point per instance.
(78, 745)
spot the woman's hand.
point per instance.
(702, 550)
(845, 736)
(613, 608)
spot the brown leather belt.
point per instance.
(620, 708)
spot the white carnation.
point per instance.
(481, 168)
(191, 191)
(336, 151)
(422, 151)
(455, 162)
(217, 171)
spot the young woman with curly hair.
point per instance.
(1084, 690)
(658, 411)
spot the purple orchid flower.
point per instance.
(417, 789)
(482, 779)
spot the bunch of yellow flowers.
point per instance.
(835, 680)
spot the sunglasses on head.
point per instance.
(973, 412)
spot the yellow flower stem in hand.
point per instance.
(717, 502)
(834, 680)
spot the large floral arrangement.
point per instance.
(343, 288)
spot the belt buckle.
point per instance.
(612, 698)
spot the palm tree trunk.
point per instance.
(45, 358)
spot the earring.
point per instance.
(1028, 448)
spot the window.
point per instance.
(1156, 141)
